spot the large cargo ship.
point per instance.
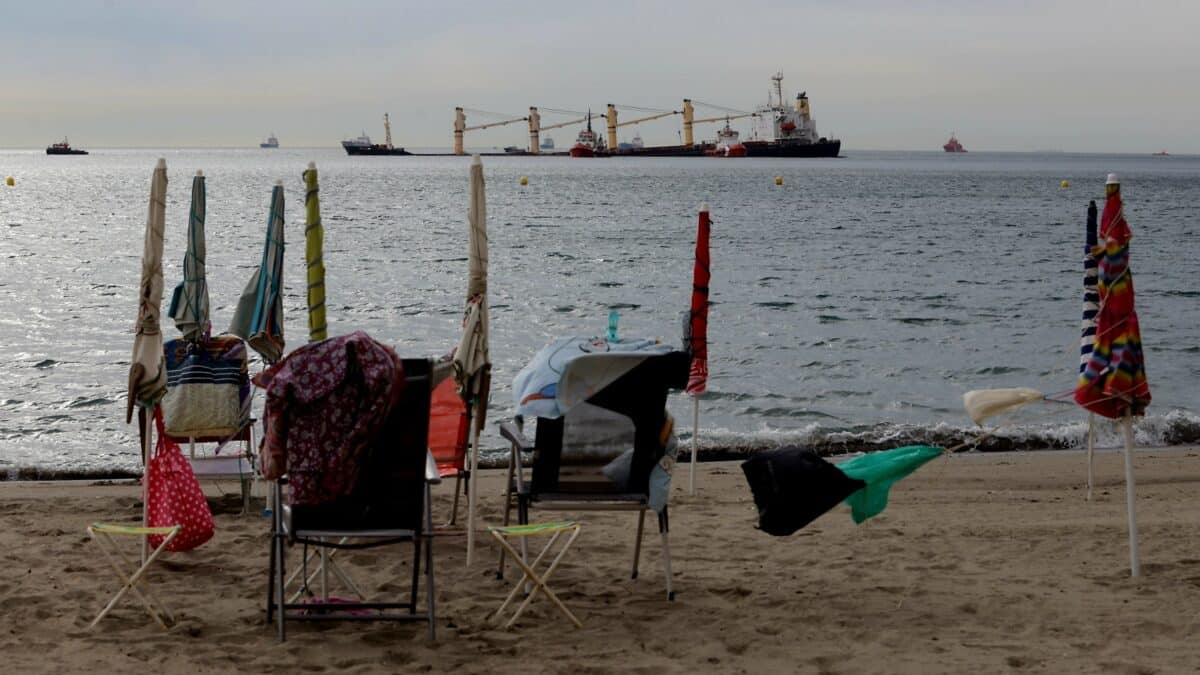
(363, 145)
(776, 131)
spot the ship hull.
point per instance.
(374, 150)
(60, 151)
(752, 149)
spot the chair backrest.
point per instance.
(449, 419)
(640, 395)
(390, 491)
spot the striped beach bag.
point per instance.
(207, 385)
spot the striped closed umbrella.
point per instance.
(1087, 327)
(1113, 380)
(259, 316)
(189, 303)
(314, 237)
(147, 375)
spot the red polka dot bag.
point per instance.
(173, 495)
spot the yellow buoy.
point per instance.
(1066, 184)
(524, 180)
(9, 181)
(779, 180)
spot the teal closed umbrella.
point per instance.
(259, 316)
(189, 304)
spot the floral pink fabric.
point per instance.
(325, 404)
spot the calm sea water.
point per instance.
(852, 306)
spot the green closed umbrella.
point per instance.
(189, 304)
(258, 318)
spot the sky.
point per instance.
(1072, 75)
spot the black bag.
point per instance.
(793, 486)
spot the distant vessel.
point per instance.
(547, 143)
(588, 143)
(953, 145)
(64, 148)
(363, 145)
(271, 142)
(514, 150)
(635, 143)
(1161, 153)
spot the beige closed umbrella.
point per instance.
(147, 372)
(472, 365)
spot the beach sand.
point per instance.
(982, 563)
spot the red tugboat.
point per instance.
(588, 141)
(727, 144)
(953, 145)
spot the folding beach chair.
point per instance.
(388, 505)
(630, 410)
(127, 569)
(449, 426)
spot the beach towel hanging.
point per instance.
(207, 384)
(174, 496)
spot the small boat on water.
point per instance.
(953, 145)
(363, 145)
(271, 142)
(588, 141)
(635, 143)
(64, 148)
(547, 143)
(514, 150)
(727, 144)
(1161, 153)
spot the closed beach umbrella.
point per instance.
(472, 364)
(189, 304)
(259, 316)
(698, 332)
(1087, 327)
(147, 374)
(1113, 381)
(314, 236)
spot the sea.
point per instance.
(851, 306)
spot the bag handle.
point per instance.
(165, 444)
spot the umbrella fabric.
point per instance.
(259, 316)
(147, 376)
(879, 470)
(314, 236)
(545, 387)
(698, 332)
(189, 304)
(1113, 382)
(1091, 294)
(792, 486)
(472, 354)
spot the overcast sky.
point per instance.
(1073, 75)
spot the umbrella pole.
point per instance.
(695, 434)
(147, 430)
(1091, 448)
(472, 484)
(1135, 564)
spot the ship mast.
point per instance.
(387, 131)
(777, 78)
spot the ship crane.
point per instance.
(726, 118)
(613, 124)
(460, 125)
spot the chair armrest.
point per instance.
(431, 470)
(510, 431)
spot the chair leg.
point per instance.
(637, 544)
(458, 481)
(271, 580)
(281, 585)
(508, 503)
(416, 574)
(430, 595)
(664, 529)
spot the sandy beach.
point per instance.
(982, 563)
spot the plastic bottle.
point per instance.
(612, 325)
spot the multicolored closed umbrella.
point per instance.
(258, 318)
(1113, 381)
(147, 374)
(472, 363)
(189, 303)
(698, 332)
(314, 236)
